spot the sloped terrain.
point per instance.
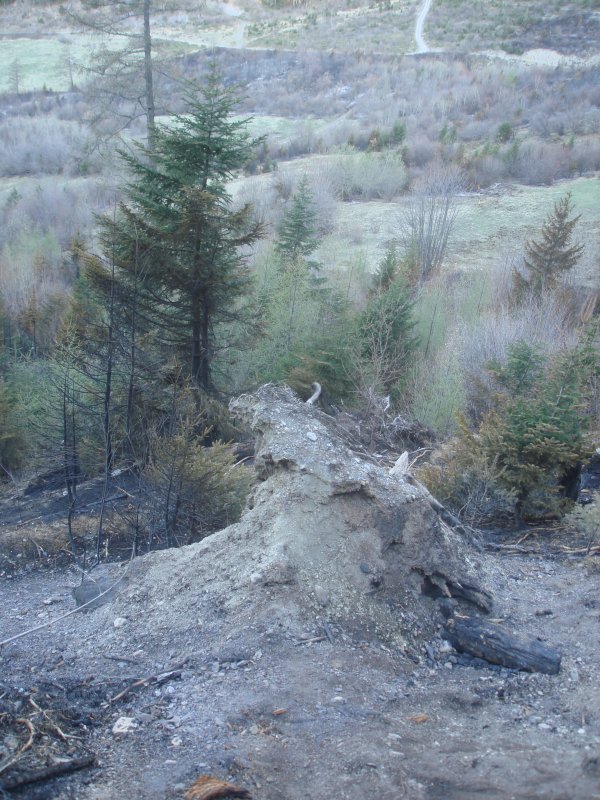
(296, 653)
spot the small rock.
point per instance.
(312, 436)
(254, 729)
(124, 725)
(543, 726)
(119, 622)
(176, 741)
(321, 595)
(574, 675)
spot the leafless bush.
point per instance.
(542, 163)
(261, 194)
(420, 151)
(44, 145)
(64, 208)
(426, 222)
(367, 176)
(487, 170)
(544, 322)
(585, 155)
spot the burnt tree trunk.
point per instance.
(494, 643)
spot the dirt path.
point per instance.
(419, 38)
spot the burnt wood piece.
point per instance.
(494, 643)
(438, 585)
(47, 773)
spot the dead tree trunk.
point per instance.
(494, 643)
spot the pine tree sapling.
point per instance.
(550, 257)
(386, 335)
(297, 235)
(538, 432)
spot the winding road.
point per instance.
(421, 43)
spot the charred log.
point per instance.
(492, 642)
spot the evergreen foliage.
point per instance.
(551, 256)
(386, 331)
(307, 333)
(537, 433)
(176, 246)
(197, 490)
(387, 271)
(12, 440)
(298, 231)
(526, 450)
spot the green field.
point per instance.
(487, 225)
(42, 61)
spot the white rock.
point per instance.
(321, 595)
(401, 465)
(124, 725)
(118, 622)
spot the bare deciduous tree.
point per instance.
(426, 223)
(124, 77)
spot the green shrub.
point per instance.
(198, 490)
(530, 444)
(12, 441)
(504, 132)
(467, 482)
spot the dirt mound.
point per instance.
(299, 654)
(329, 534)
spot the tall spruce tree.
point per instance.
(551, 256)
(179, 241)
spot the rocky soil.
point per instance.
(296, 654)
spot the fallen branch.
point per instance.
(123, 659)
(13, 759)
(47, 773)
(585, 551)
(498, 645)
(62, 616)
(154, 680)
(64, 736)
(311, 640)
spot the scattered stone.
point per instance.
(123, 726)
(321, 595)
(119, 622)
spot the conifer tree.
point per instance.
(387, 334)
(387, 271)
(298, 236)
(179, 240)
(551, 256)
